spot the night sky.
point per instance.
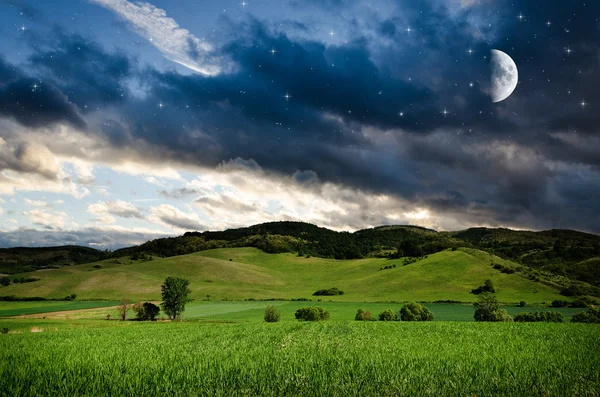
(124, 121)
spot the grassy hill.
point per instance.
(249, 273)
(24, 259)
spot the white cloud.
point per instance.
(36, 203)
(49, 220)
(174, 218)
(105, 210)
(176, 43)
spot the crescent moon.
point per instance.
(505, 76)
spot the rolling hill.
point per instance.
(249, 273)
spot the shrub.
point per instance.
(522, 304)
(146, 311)
(5, 281)
(312, 313)
(559, 303)
(487, 308)
(329, 292)
(97, 267)
(548, 317)
(591, 316)
(578, 304)
(4, 330)
(362, 315)
(488, 286)
(271, 314)
(415, 312)
(388, 315)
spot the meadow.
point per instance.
(254, 311)
(102, 358)
(248, 273)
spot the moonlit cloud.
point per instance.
(176, 43)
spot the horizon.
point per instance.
(123, 121)
(116, 248)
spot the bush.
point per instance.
(146, 311)
(559, 303)
(4, 330)
(329, 292)
(5, 281)
(271, 314)
(591, 316)
(534, 317)
(312, 313)
(487, 308)
(522, 304)
(362, 315)
(388, 315)
(415, 312)
(488, 286)
(578, 304)
(97, 267)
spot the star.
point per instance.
(161, 105)
(331, 33)
(244, 4)
(408, 30)
(273, 51)
(22, 28)
(548, 23)
(470, 51)
(583, 104)
(401, 114)
(445, 112)
(568, 50)
(521, 16)
(287, 96)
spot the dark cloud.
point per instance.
(33, 103)
(367, 112)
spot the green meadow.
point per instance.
(112, 358)
(248, 273)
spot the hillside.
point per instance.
(570, 254)
(248, 273)
(24, 259)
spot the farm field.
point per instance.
(248, 273)
(254, 311)
(20, 308)
(104, 358)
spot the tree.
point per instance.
(415, 312)
(123, 308)
(175, 295)
(487, 308)
(312, 313)
(5, 281)
(488, 286)
(146, 311)
(271, 314)
(388, 315)
(591, 316)
(362, 315)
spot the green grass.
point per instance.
(235, 311)
(19, 308)
(251, 273)
(80, 358)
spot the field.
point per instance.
(20, 308)
(103, 358)
(244, 273)
(251, 311)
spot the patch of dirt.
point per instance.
(67, 314)
(36, 329)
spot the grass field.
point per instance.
(102, 358)
(254, 311)
(20, 308)
(242, 273)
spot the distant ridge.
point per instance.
(568, 253)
